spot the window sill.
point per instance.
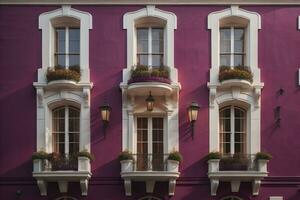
(62, 84)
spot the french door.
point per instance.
(150, 143)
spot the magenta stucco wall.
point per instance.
(20, 57)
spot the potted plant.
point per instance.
(213, 161)
(237, 162)
(126, 160)
(84, 157)
(238, 72)
(173, 161)
(262, 159)
(61, 73)
(143, 73)
(39, 159)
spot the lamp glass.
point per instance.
(193, 112)
(105, 112)
(150, 102)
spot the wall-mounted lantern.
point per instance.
(193, 114)
(105, 115)
(150, 102)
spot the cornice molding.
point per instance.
(153, 2)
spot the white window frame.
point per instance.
(249, 98)
(129, 23)
(48, 39)
(232, 127)
(149, 30)
(67, 41)
(66, 131)
(232, 52)
(150, 131)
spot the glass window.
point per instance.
(65, 130)
(67, 49)
(232, 130)
(150, 151)
(232, 46)
(231, 198)
(150, 46)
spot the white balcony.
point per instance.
(64, 172)
(254, 171)
(149, 169)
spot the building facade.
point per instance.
(124, 81)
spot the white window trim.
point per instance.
(276, 198)
(232, 127)
(252, 50)
(79, 94)
(129, 21)
(48, 39)
(249, 96)
(150, 132)
(66, 128)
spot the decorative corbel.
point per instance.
(63, 186)
(127, 185)
(255, 187)
(40, 97)
(84, 187)
(212, 96)
(257, 94)
(214, 184)
(235, 185)
(172, 184)
(42, 187)
(150, 186)
(86, 97)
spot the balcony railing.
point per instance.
(150, 162)
(62, 162)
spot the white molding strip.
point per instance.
(151, 2)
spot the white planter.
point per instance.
(262, 165)
(126, 165)
(38, 165)
(213, 165)
(84, 164)
(172, 165)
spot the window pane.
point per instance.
(239, 34)
(239, 46)
(225, 46)
(60, 60)
(225, 60)
(157, 46)
(157, 40)
(225, 34)
(74, 40)
(60, 41)
(142, 46)
(143, 60)
(238, 60)
(74, 60)
(142, 40)
(157, 60)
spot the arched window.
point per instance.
(232, 130)
(231, 198)
(65, 198)
(66, 130)
(149, 198)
